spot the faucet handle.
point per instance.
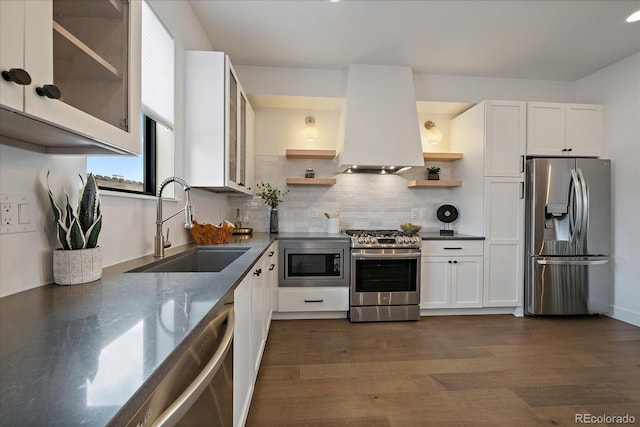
(167, 242)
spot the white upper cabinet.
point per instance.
(220, 122)
(71, 75)
(505, 138)
(555, 129)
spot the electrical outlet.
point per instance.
(423, 213)
(9, 213)
(315, 212)
(414, 213)
(15, 213)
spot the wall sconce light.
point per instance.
(434, 135)
(310, 132)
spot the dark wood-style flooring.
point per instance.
(447, 371)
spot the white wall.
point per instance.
(618, 88)
(129, 222)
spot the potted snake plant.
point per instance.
(80, 258)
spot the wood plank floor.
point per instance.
(447, 371)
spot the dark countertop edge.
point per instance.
(311, 236)
(437, 236)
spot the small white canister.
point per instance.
(333, 225)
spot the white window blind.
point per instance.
(158, 68)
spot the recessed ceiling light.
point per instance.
(635, 16)
(333, 1)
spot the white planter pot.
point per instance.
(77, 266)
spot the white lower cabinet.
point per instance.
(504, 244)
(243, 370)
(253, 306)
(313, 299)
(451, 274)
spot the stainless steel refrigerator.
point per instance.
(568, 236)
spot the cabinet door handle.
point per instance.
(18, 76)
(569, 149)
(271, 267)
(455, 262)
(257, 272)
(313, 300)
(522, 189)
(452, 249)
(564, 150)
(449, 261)
(50, 91)
(521, 164)
(271, 253)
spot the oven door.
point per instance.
(385, 277)
(312, 263)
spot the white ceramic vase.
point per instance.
(72, 267)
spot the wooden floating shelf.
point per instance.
(311, 154)
(423, 183)
(311, 181)
(442, 157)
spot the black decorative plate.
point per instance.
(447, 213)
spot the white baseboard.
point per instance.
(625, 315)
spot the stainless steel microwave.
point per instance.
(314, 262)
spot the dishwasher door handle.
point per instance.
(190, 395)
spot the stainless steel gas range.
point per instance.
(385, 276)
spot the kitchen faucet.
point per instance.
(159, 243)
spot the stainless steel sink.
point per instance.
(209, 259)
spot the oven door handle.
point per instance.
(403, 255)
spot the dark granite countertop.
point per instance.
(312, 236)
(78, 355)
(435, 235)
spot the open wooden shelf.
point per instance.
(311, 154)
(423, 183)
(311, 181)
(442, 157)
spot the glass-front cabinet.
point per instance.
(219, 125)
(74, 67)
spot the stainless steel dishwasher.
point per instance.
(198, 390)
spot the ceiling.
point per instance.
(536, 39)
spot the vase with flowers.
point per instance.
(272, 197)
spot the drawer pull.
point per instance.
(271, 253)
(452, 249)
(313, 300)
(271, 267)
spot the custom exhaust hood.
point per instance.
(380, 121)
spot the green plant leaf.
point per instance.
(62, 234)
(57, 212)
(87, 203)
(93, 232)
(69, 215)
(75, 238)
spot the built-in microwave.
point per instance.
(314, 262)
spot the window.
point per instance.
(142, 173)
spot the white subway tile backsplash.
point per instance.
(362, 200)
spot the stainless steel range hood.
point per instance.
(381, 127)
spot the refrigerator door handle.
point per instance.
(578, 200)
(584, 223)
(572, 262)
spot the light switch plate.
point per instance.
(17, 213)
